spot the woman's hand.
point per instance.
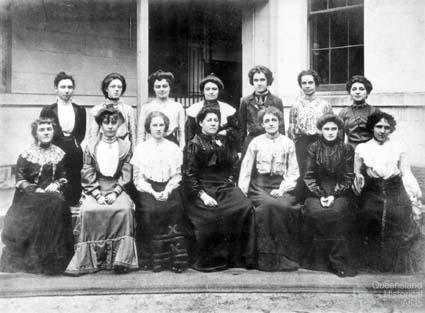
(53, 187)
(222, 132)
(276, 193)
(326, 202)
(110, 198)
(40, 190)
(101, 200)
(358, 184)
(208, 200)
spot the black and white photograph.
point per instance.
(212, 156)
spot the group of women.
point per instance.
(212, 187)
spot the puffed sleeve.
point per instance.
(311, 172)
(292, 122)
(22, 180)
(125, 175)
(290, 176)
(348, 172)
(89, 176)
(191, 168)
(246, 167)
(409, 181)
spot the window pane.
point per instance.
(337, 3)
(354, 2)
(339, 29)
(339, 71)
(320, 32)
(321, 64)
(356, 61)
(317, 5)
(355, 20)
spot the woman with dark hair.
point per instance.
(260, 77)
(37, 231)
(220, 213)
(356, 115)
(269, 171)
(329, 176)
(70, 120)
(161, 83)
(304, 114)
(211, 86)
(387, 187)
(113, 87)
(159, 213)
(105, 226)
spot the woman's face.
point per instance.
(161, 88)
(358, 92)
(114, 89)
(211, 91)
(382, 130)
(308, 85)
(259, 81)
(157, 127)
(210, 124)
(330, 131)
(110, 125)
(270, 124)
(65, 89)
(45, 133)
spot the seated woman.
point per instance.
(386, 186)
(220, 213)
(37, 231)
(157, 175)
(269, 171)
(329, 177)
(106, 226)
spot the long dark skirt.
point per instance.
(389, 234)
(277, 225)
(225, 234)
(73, 163)
(325, 232)
(161, 231)
(37, 234)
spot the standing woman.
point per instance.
(211, 86)
(355, 116)
(157, 175)
(113, 87)
(37, 231)
(387, 187)
(269, 171)
(220, 213)
(260, 77)
(329, 177)
(161, 83)
(70, 120)
(106, 226)
(304, 114)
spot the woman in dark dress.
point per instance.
(387, 188)
(269, 171)
(329, 177)
(159, 214)
(211, 86)
(70, 120)
(220, 213)
(37, 229)
(355, 116)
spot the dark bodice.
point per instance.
(329, 162)
(208, 158)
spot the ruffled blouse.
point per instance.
(157, 162)
(66, 116)
(271, 156)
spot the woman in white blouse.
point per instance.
(269, 171)
(161, 83)
(387, 188)
(159, 214)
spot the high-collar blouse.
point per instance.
(66, 116)
(329, 160)
(158, 162)
(175, 113)
(274, 156)
(304, 114)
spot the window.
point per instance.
(336, 40)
